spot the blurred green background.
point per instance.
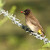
(13, 37)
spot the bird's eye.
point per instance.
(26, 11)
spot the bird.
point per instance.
(32, 22)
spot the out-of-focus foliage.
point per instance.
(42, 49)
(5, 18)
(1, 3)
(13, 37)
(47, 45)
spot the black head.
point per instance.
(27, 11)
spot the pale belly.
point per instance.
(32, 27)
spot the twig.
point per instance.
(17, 21)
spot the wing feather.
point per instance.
(36, 23)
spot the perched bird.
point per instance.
(32, 21)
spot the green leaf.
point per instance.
(47, 45)
(12, 11)
(1, 3)
(42, 49)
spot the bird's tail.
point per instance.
(43, 34)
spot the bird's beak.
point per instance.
(22, 12)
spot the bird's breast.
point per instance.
(32, 27)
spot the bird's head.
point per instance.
(26, 12)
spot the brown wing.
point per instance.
(34, 21)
